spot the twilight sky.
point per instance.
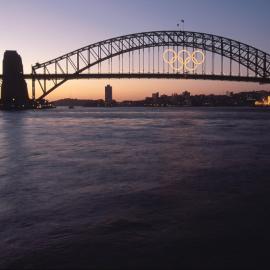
(42, 30)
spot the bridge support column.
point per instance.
(33, 88)
(14, 93)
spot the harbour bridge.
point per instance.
(155, 55)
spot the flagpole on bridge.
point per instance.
(183, 25)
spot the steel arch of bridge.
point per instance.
(66, 68)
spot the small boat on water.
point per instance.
(71, 107)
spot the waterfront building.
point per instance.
(108, 96)
(155, 96)
(264, 102)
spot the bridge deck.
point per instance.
(147, 76)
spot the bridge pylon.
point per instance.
(14, 92)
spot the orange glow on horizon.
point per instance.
(139, 89)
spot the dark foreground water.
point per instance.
(138, 189)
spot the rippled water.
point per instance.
(184, 188)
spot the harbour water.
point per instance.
(135, 188)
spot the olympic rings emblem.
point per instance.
(188, 61)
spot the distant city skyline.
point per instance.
(46, 29)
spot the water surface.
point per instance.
(135, 188)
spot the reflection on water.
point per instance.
(134, 188)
